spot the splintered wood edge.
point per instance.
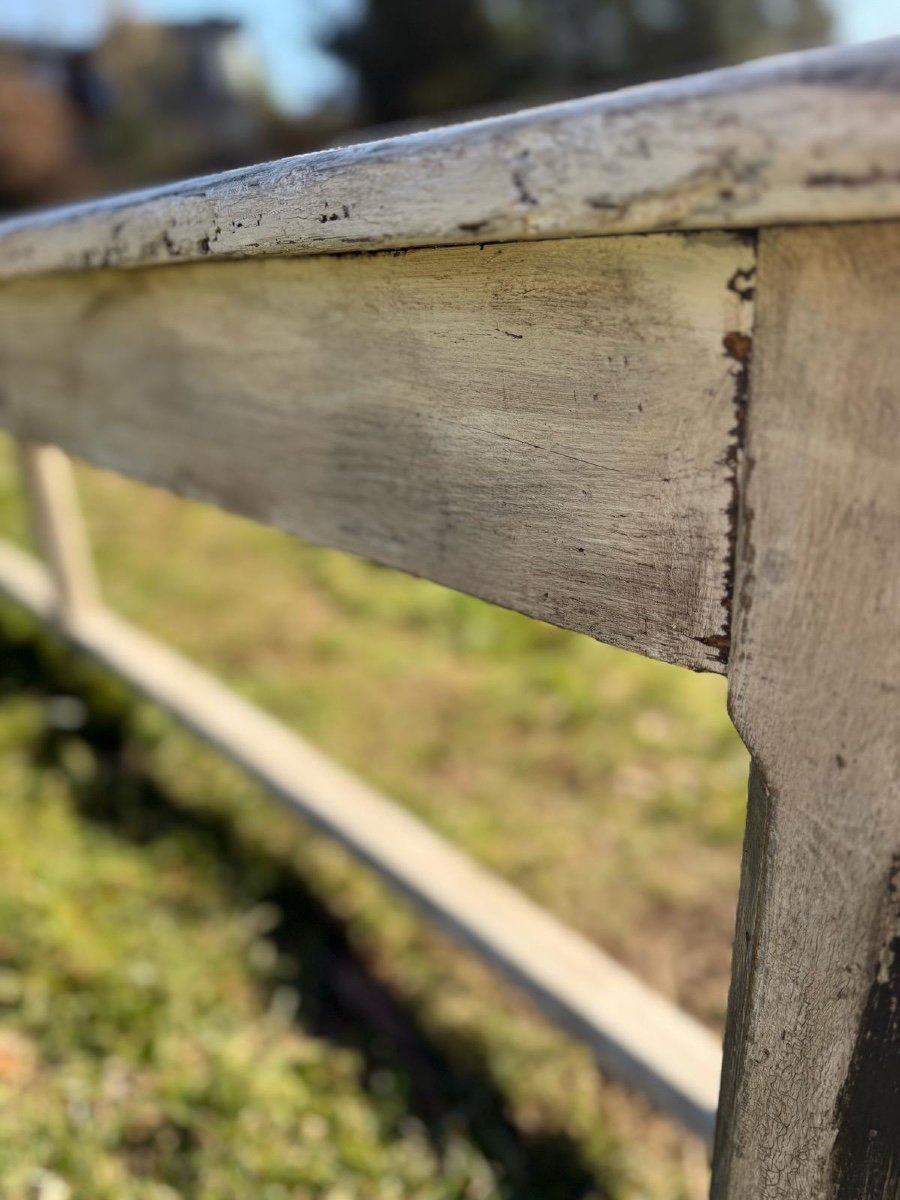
(811, 137)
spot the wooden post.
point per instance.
(58, 526)
(810, 1105)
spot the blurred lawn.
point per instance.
(198, 994)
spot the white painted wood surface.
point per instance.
(58, 526)
(811, 1097)
(558, 426)
(798, 138)
(550, 426)
(638, 1036)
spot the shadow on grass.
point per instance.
(341, 1000)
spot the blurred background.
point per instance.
(200, 998)
(97, 95)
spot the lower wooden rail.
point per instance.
(637, 1036)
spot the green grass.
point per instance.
(205, 997)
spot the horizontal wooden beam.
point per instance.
(638, 1037)
(551, 426)
(800, 138)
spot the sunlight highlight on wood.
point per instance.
(550, 426)
(802, 137)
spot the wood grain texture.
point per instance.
(810, 1106)
(800, 138)
(638, 1037)
(550, 426)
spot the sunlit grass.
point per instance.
(608, 787)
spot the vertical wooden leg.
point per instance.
(810, 1104)
(58, 526)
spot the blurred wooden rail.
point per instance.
(684, 444)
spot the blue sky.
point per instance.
(284, 31)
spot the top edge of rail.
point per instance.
(800, 138)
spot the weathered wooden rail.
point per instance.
(682, 440)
